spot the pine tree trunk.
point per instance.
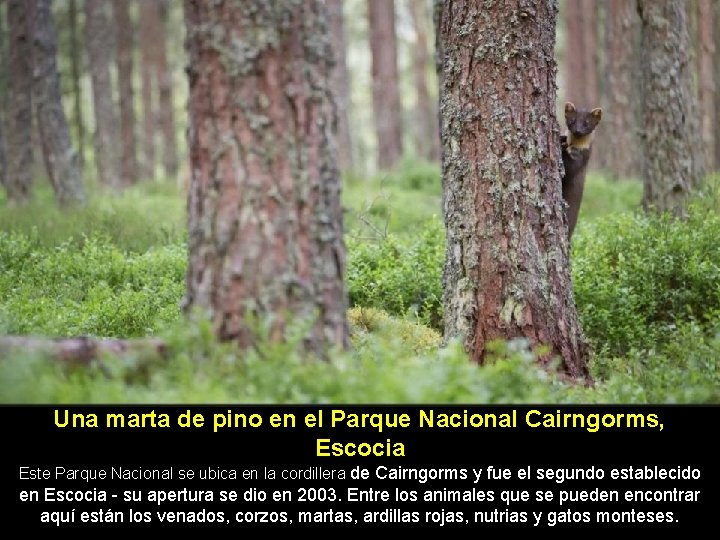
(582, 53)
(427, 131)
(124, 57)
(590, 51)
(507, 270)
(75, 67)
(574, 54)
(671, 165)
(716, 71)
(148, 27)
(165, 94)
(61, 160)
(582, 61)
(386, 94)
(265, 221)
(341, 83)
(3, 94)
(706, 83)
(18, 182)
(620, 119)
(99, 44)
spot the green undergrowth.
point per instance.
(647, 289)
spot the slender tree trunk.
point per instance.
(582, 53)
(99, 43)
(671, 165)
(582, 61)
(165, 107)
(427, 131)
(76, 68)
(706, 82)
(265, 220)
(620, 131)
(124, 55)
(3, 94)
(148, 27)
(716, 71)
(18, 182)
(574, 54)
(591, 59)
(507, 269)
(386, 94)
(341, 83)
(61, 160)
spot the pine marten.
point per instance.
(576, 147)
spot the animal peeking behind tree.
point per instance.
(576, 147)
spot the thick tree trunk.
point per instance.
(124, 56)
(706, 83)
(99, 44)
(672, 156)
(340, 81)
(18, 182)
(427, 131)
(265, 221)
(507, 270)
(3, 94)
(620, 118)
(80, 350)
(61, 160)
(165, 94)
(148, 27)
(386, 94)
(75, 67)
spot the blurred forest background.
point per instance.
(104, 252)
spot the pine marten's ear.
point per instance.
(596, 114)
(569, 108)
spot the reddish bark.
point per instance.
(386, 95)
(265, 221)
(507, 271)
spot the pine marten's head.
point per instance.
(581, 122)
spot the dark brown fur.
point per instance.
(576, 148)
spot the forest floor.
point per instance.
(647, 288)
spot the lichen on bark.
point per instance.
(265, 221)
(507, 269)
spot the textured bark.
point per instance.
(99, 44)
(75, 68)
(706, 83)
(386, 95)
(165, 93)
(671, 150)
(61, 160)
(621, 96)
(265, 221)
(18, 182)
(124, 58)
(148, 27)
(341, 83)
(507, 272)
(80, 350)
(427, 131)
